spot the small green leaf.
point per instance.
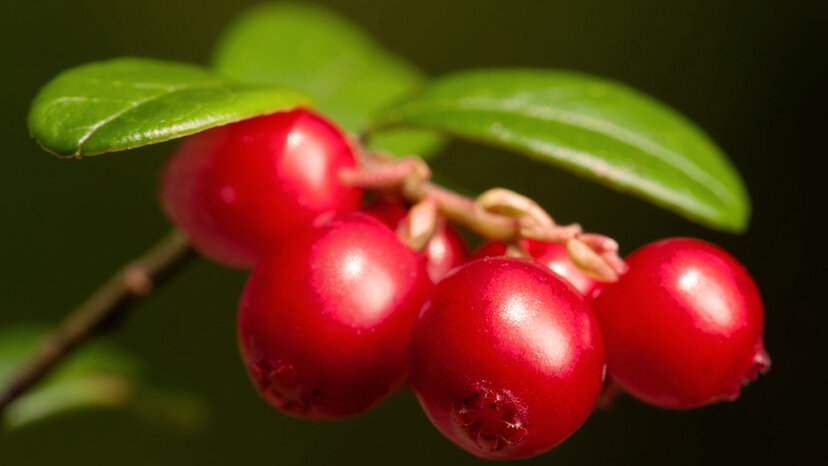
(347, 72)
(129, 102)
(97, 376)
(595, 127)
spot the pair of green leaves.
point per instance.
(277, 57)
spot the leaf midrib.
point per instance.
(690, 204)
(560, 116)
(133, 105)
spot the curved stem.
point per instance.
(467, 212)
(112, 300)
(409, 178)
(498, 214)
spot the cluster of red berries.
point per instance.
(507, 356)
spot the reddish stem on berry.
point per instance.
(497, 214)
(407, 178)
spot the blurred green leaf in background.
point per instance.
(97, 376)
(350, 74)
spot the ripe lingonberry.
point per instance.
(443, 252)
(552, 255)
(683, 327)
(324, 324)
(507, 359)
(236, 190)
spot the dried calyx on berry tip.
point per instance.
(507, 359)
(324, 324)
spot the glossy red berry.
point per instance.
(683, 327)
(506, 359)
(238, 189)
(552, 255)
(446, 249)
(324, 324)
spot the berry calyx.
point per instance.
(237, 190)
(443, 252)
(507, 360)
(683, 327)
(324, 324)
(551, 255)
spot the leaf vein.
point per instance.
(646, 145)
(133, 105)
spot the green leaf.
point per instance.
(347, 72)
(595, 127)
(95, 377)
(129, 102)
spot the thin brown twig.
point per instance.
(119, 294)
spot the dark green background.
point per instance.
(748, 72)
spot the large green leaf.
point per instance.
(129, 102)
(97, 376)
(307, 47)
(595, 127)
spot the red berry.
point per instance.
(324, 324)
(507, 360)
(552, 255)
(446, 249)
(238, 189)
(683, 327)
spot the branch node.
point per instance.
(137, 280)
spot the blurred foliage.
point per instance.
(747, 72)
(350, 73)
(97, 376)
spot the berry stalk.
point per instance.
(497, 214)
